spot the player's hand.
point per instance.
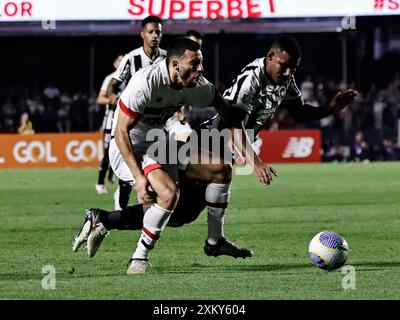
(114, 99)
(341, 100)
(181, 117)
(144, 189)
(264, 173)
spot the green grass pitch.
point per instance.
(42, 209)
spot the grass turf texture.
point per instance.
(42, 209)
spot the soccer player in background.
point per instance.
(146, 55)
(103, 100)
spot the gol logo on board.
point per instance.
(34, 151)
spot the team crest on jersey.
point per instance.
(139, 93)
(275, 93)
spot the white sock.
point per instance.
(217, 198)
(154, 222)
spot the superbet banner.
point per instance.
(289, 146)
(89, 10)
(50, 150)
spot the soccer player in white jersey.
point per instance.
(103, 100)
(178, 124)
(148, 54)
(151, 97)
(254, 96)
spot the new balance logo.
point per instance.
(299, 147)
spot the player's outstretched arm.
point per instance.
(236, 119)
(341, 100)
(302, 112)
(243, 147)
(223, 107)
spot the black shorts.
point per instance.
(223, 151)
(192, 201)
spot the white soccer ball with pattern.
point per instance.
(328, 250)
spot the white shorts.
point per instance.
(148, 163)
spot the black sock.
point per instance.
(105, 163)
(130, 218)
(125, 190)
(110, 174)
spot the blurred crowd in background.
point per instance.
(54, 88)
(367, 130)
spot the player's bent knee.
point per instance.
(168, 197)
(224, 174)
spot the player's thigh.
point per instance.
(163, 185)
(204, 156)
(208, 167)
(118, 164)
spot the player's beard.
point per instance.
(187, 78)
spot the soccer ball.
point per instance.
(328, 250)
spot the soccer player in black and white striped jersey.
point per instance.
(102, 99)
(268, 83)
(148, 54)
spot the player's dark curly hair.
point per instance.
(289, 44)
(178, 47)
(194, 33)
(151, 19)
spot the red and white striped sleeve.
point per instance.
(134, 100)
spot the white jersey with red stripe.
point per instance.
(150, 100)
(133, 62)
